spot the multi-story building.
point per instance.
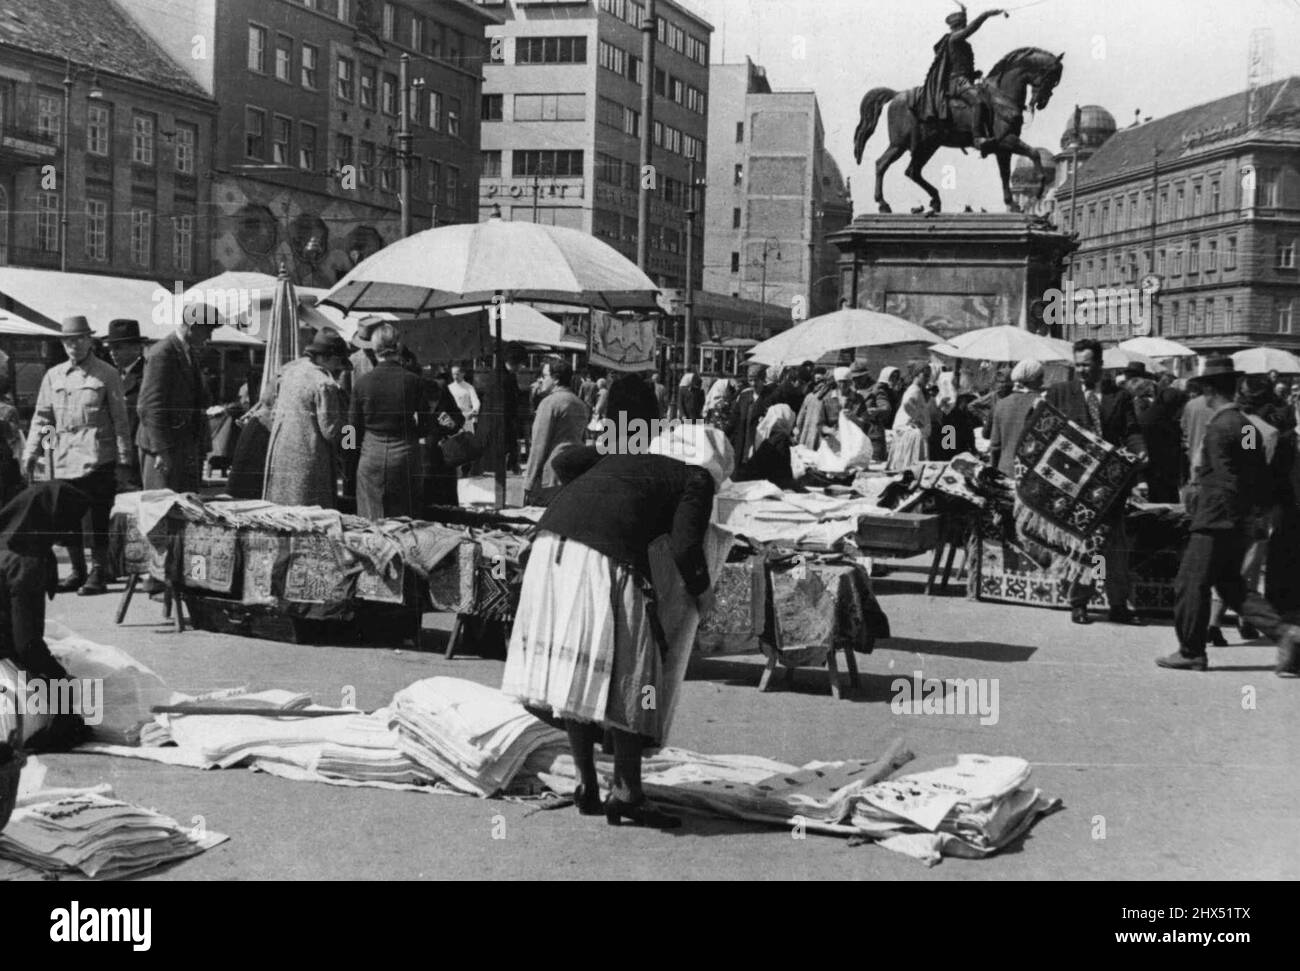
(562, 122)
(307, 160)
(1206, 201)
(102, 131)
(775, 194)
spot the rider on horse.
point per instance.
(953, 75)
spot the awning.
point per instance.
(11, 325)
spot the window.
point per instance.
(552, 107)
(281, 133)
(1286, 254)
(1173, 317)
(390, 21)
(740, 132)
(369, 78)
(49, 117)
(310, 66)
(1180, 200)
(343, 150)
(491, 107)
(556, 163)
(735, 218)
(1176, 269)
(1119, 214)
(661, 83)
(367, 173)
(1269, 185)
(99, 126)
(345, 85)
(387, 174)
(453, 187)
(496, 50)
(183, 243)
(1211, 256)
(1133, 210)
(1285, 315)
(47, 222)
(1230, 258)
(739, 177)
(187, 137)
(735, 262)
(677, 90)
(1194, 259)
(257, 48)
(491, 164)
(1091, 220)
(254, 133)
(416, 107)
(612, 58)
(435, 111)
(342, 10)
(388, 95)
(1104, 226)
(419, 28)
(453, 116)
(142, 139)
(1228, 322)
(284, 58)
(1196, 198)
(142, 237)
(1211, 321)
(96, 231)
(435, 182)
(635, 69)
(692, 147)
(1216, 195)
(551, 50)
(307, 148)
(1164, 205)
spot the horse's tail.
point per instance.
(874, 101)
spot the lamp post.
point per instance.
(768, 245)
(649, 30)
(70, 75)
(691, 212)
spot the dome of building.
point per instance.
(1022, 178)
(1096, 124)
(835, 190)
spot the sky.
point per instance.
(1156, 56)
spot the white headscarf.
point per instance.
(842, 374)
(717, 392)
(887, 375)
(776, 417)
(702, 446)
(1027, 375)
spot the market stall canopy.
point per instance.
(1117, 358)
(467, 265)
(11, 325)
(243, 302)
(1265, 360)
(1003, 345)
(1157, 347)
(838, 331)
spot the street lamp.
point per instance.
(769, 244)
(96, 93)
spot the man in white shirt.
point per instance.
(466, 397)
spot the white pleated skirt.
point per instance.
(583, 646)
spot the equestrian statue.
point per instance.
(956, 108)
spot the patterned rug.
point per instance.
(1070, 481)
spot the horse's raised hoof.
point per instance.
(884, 207)
(1014, 207)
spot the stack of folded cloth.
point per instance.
(374, 755)
(473, 737)
(92, 834)
(971, 809)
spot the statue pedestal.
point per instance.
(952, 272)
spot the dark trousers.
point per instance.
(1213, 561)
(1116, 580)
(101, 486)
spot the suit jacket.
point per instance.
(1119, 421)
(172, 401)
(561, 418)
(131, 380)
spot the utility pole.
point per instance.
(649, 29)
(64, 180)
(404, 141)
(690, 264)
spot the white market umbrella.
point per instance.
(838, 331)
(1264, 360)
(11, 325)
(1116, 359)
(1157, 347)
(1003, 345)
(243, 300)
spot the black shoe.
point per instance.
(72, 583)
(640, 814)
(1181, 662)
(1127, 617)
(1247, 631)
(1215, 636)
(1079, 615)
(588, 805)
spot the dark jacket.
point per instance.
(1119, 423)
(770, 461)
(1010, 414)
(878, 411)
(1232, 481)
(132, 378)
(953, 433)
(388, 402)
(172, 401)
(623, 503)
(745, 413)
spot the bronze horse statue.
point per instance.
(1009, 82)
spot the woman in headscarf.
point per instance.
(30, 524)
(771, 458)
(717, 404)
(912, 423)
(587, 644)
(1011, 414)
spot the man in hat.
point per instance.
(126, 347)
(174, 436)
(81, 424)
(303, 458)
(1233, 489)
(1106, 411)
(363, 359)
(953, 75)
